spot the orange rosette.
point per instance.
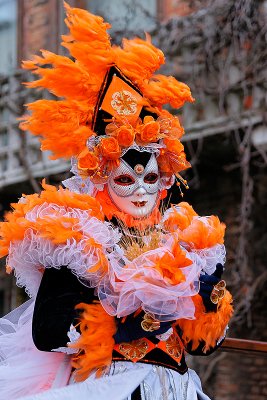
(150, 130)
(88, 162)
(125, 136)
(109, 148)
(174, 145)
(170, 263)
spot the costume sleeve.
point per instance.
(204, 334)
(60, 291)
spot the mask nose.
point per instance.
(140, 191)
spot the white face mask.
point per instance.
(135, 191)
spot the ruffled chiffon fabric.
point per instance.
(25, 370)
(29, 374)
(125, 285)
(29, 256)
(140, 284)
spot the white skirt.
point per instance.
(156, 383)
(29, 374)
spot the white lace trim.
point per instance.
(73, 335)
(211, 257)
(140, 285)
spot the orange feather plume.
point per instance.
(204, 232)
(166, 89)
(61, 126)
(96, 342)
(206, 327)
(138, 59)
(180, 217)
(64, 125)
(56, 228)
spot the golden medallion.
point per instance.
(124, 103)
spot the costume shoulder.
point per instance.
(202, 236)
(52, 229)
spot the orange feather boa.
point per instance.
(95, 343)
(206, 327)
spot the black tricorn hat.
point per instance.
(118, 98)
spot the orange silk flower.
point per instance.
(87, 160)
(109, 148)
(125, 136)
(174, 145)
(150, 132)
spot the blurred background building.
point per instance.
(219, 48)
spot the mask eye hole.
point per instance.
(151, 178)
(124, 180)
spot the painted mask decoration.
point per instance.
(134, 185)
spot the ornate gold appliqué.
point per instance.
(218, 292)
(173, 347)
(134, 350)
(149, 323)
(124, 103)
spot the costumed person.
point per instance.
(120, 288)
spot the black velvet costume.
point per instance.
(60, 291)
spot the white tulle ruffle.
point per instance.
(211, 257)
(135, 284)
(123, 286)
(24, 370)
(29, 256)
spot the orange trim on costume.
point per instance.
(172, 346)
(137, 349)
(95, 343)
(208, 326)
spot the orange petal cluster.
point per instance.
(170, 264)
(119, 135)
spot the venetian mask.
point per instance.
(134, 185)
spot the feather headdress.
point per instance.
(110, 100)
